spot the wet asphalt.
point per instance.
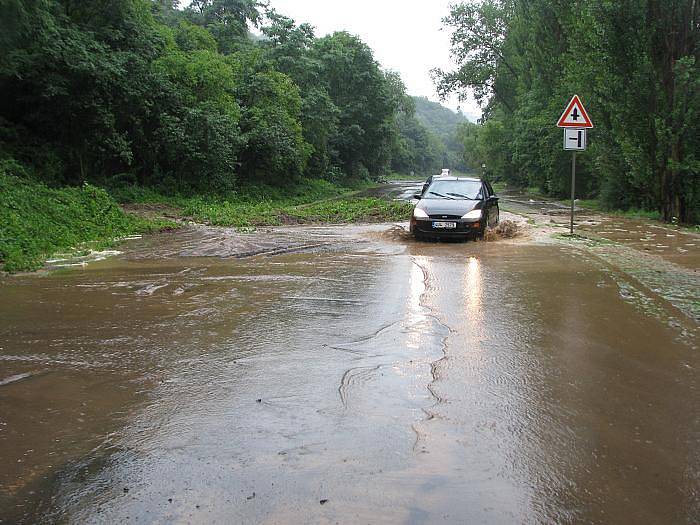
(348, 374)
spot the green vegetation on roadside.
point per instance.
(308, 201)
(636, 66)
(147, 92)
(301, 192)
(444, 124)
(633, 213)
(183, 107)
(341, 210)
(37, 221)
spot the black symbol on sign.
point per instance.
(574, 115)
(578, 138)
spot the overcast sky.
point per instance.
(406, 36)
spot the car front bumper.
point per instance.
(464, 228)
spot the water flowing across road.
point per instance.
(345, 374)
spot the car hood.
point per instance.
(448, 206)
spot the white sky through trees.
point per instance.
(405, 36)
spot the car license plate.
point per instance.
(446, 225)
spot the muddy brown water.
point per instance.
(344, 375)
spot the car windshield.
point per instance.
(454, 189)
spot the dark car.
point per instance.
(429, 180)
(427, 183)
(455, 207)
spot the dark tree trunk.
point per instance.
(676, 33)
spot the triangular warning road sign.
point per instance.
(575, 115)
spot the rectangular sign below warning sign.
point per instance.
(575, 115)
(574, 139)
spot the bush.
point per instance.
(37, 221)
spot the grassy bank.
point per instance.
(340, 210)
(37, 221)
(594, 204)
(309, 201)
(590, 204)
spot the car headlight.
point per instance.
(419, 214)
(474, 214)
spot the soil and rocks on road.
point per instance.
(349, 374)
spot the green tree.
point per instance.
(358, 88)
(271, 110)
(196, 138)
(634, 63)
(290, 49)
(227, 20)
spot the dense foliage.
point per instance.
(633, 62)
(119, 92)
(37, 221)
(445, 124)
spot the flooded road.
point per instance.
(346, 374)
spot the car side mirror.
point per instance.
(417, 196)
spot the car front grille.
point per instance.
(445, 217)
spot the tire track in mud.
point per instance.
(357, 375)
(359, 354)
(281, 251)
(435, 365)
(352, 375)
(359, 372)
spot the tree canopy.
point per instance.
(633, 62)
(140, 91)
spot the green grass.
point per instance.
(340, 210)
(590, 204)
(37, 221)
(304, 191)
(309, 201)
(594, 204)
(499, 187)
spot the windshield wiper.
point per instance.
(441, 195)
(462, 196)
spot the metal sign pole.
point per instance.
(573, 189)
(576, 121)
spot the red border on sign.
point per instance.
(575, 101)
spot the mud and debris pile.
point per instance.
(505, 230)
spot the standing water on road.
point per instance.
(343, 374)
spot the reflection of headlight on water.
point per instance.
(473, 288)
(419, 214)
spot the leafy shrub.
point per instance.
(37, 221)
